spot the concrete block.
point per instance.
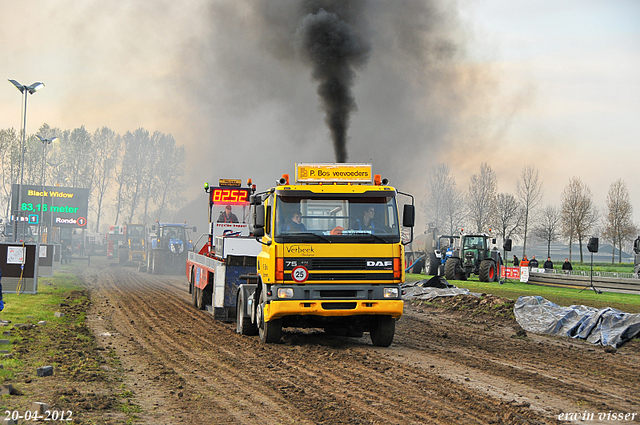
(39, 407)
(58, 314)
(42, 322)
(9, 421)
(4, 341)
(6, 389)
(45, 371)
(4, 351)
(6, 333)
(23, 326)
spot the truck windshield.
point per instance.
(347, 219)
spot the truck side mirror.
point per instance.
(409, 215)
(258, 232)
(258, 217)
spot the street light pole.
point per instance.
(24, 90)
(45, 142)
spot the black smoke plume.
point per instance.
(328, 40)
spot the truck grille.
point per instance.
(339, 263)
(341, 269)
(339, 306)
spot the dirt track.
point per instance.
(444, 367)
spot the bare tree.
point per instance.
(107, 144)
(170, 171)
(483, 189)
(79, 157)
(9, 165)
(579, 215)
(440, 191)
(455, 208)
(509, 216)
(529, 192)
(548, 228)
(618, 221)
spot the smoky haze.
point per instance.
(235, 82)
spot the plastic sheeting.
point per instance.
(422, 290)
(606, 326)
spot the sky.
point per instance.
(554, 85)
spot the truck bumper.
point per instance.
(277, 309)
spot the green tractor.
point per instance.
(475, 256)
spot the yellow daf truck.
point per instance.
(332, 255)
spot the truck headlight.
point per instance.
(391, 292)
(285, 292)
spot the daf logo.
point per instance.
(379, 263)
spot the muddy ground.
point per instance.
(156, 360)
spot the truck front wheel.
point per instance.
(382, 331)
(270, 331)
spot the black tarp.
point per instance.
(606, 326)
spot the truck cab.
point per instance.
(332, 254)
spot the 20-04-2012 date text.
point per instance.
(47, 416)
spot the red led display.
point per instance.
(223, 195)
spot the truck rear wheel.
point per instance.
(487, 272)
(382, 331)
(243, 323)
(199, 298)
(194, 296)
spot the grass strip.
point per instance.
(628, 303)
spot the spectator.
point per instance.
(548, 264)
(533, 262)
(227, 216)
(516, 261)
(566, 266)
(524, 262)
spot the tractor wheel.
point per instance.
(243, 323)
(382, 331)
(154, 269)
(431, 266)
(453, 270)
(270, 331)
(487, 272)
